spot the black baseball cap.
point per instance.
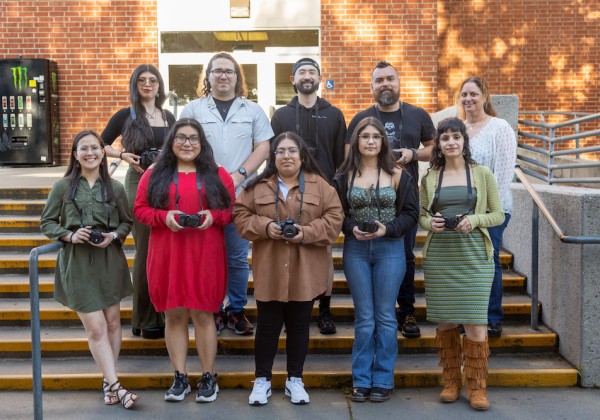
(305, 62)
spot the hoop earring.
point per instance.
(464, 153)
(78, 165)
(440, 154)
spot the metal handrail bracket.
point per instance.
(34, 301)
(538, 205)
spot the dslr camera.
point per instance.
(96, 236)
(395, 144)
(287, 227)
(369, 226)
(190, 220)
(450, 223)
(148, 157)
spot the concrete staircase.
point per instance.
(522, 357)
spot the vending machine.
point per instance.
(29, 134)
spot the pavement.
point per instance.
(544, 403)
(405, 403)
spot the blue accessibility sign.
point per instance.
(329, 84)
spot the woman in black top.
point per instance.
(143, 126)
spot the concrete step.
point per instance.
(15, 311)
(17, 285)
(320, 371)
(24, 193)
(22, 207)
(18, 262)
(63, 341)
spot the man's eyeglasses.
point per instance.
(151, 81)
(180, 140)
(220, 72)
(291, 152)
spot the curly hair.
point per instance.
(481, 83)
(454, 125)
(240, 85)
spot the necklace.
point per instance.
(151, 116)
(471, 125)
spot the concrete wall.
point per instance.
(569, 274)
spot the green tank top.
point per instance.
(361, 197)
(454, 200)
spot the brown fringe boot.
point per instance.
(450, 352)
(476, 372)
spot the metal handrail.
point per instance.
(549, 141)
(537, 207)
(34, 302)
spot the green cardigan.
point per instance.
(487, 198)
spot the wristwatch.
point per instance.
(242, 171)
(415, 154)
(115, 236)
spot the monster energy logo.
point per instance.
(19, 74)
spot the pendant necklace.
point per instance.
(151, 116)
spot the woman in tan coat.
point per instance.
(291, 214)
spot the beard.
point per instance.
(387, 98)
(307, 91)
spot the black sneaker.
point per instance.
(179, 389)
(219, 321)
(495, 330)
(408, 326)
(326, 323)
(240, 324)
(207, 388)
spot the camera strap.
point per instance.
(299, 131)
(198, 186)
(438, 187)
(301, 188)
(352, 210)
(106, 206)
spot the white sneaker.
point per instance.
(294, 388)
(260, 392)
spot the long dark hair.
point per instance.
(217, 196)
(240, 85)
(73, 173)
(481, 83)
(137, 134)
(309, 163)
(353, 161)
(454, 125)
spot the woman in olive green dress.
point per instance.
(88, 211)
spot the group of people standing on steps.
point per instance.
(193, 200)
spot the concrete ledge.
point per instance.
(569, 274)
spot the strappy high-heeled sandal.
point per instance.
(127, 398)
(110, 398)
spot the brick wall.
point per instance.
(355, 34)
(96, 45)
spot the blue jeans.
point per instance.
(495, 313)
(374, 271)
(406, 296)
(237, 270)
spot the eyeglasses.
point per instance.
(375, 137)
(220, 72)
(85, 149)
(151, 81)
(180, 140)
(291, 152)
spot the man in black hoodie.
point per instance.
(323, 127)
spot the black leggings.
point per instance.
(271, 316)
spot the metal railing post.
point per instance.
(34, 302)
(535, 224)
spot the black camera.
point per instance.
(190, 220)
(369, 226)
(287, 227)
(450, 223)
(96, 236)
(395, 144)
(148, 157)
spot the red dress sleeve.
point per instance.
(142, 210)
(223, 217)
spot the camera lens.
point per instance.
(96, 236)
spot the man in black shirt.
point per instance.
(407, 127)
(323, 127)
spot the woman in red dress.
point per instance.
(187, 199)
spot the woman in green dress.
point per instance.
(88, 211)
(459, 201)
